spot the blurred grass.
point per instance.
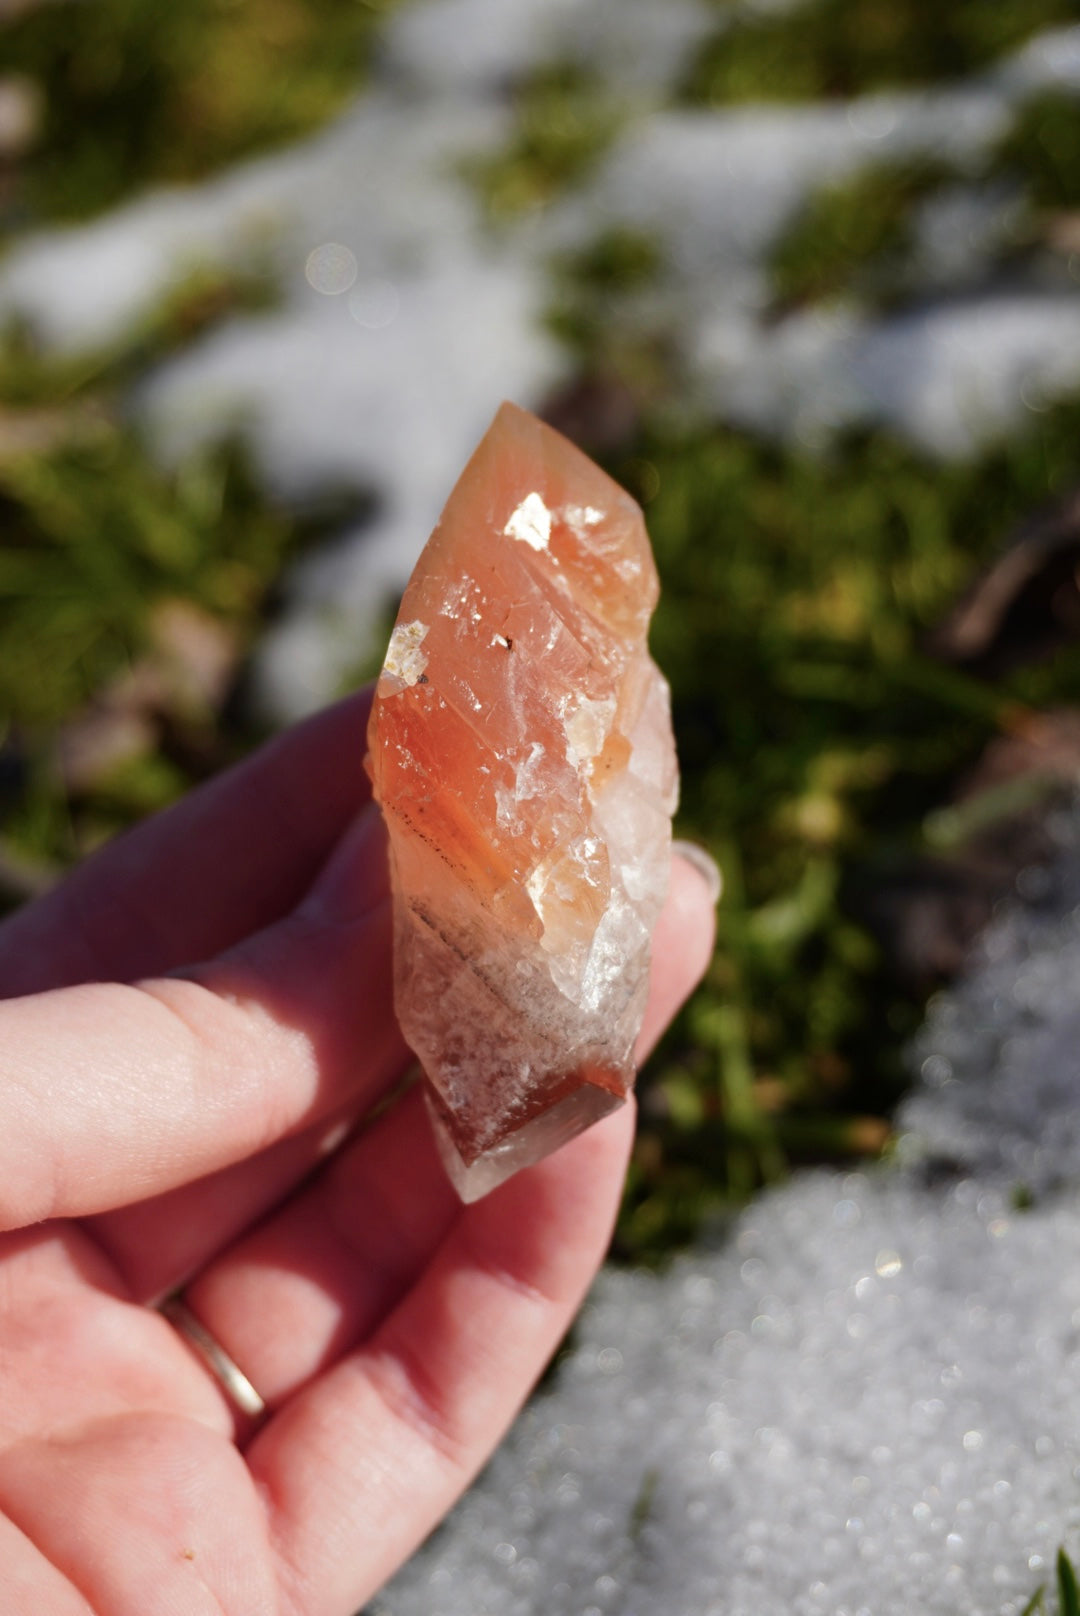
(854, 236)
(818, 738)
(1065, 1586)
(97, 540)
(564, 119)
(848, 47)
(1044, 149)
(140, 92)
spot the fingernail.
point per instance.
(704, 864)
(357, 877)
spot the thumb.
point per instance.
(111, 1092)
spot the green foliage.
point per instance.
(1067, 1591)
(200, 296)
(853, 235)
(618, 260)
(842, 47)
(817, 739)
(95, 535)
(97, 540)
(136, 91)
(600, 305)
(1044, 147)
(564, 120)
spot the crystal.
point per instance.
(520, 746)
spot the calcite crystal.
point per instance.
(520, 745)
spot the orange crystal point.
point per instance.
(521, 748)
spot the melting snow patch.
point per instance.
(948, 377)
(477, 44)
(402, 321)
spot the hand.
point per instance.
(167, 1123)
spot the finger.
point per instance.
(229, 859)
(31, 1585)
(160, 1243)
(358, 1467)
(300, 1290)
(115, 1092)
(292, 1296)
(329, 1266)
(77, 1349)
(682, 948)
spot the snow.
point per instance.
(475, 44)
(384, 385)
(1050, 61)
(403, 319)
(865, 1399)
(719, 187)
(949, 377)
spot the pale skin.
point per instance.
(192, 1027)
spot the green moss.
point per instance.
(564, 120)
(816, 737)
(95, 535)
(854, 235)
(599, 307)
(199, 297)
(844, 47)
(97, 538)
(618, 260)
(136, 91)
(1044, 149)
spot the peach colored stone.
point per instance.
(521, 748)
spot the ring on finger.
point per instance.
(230, 1377)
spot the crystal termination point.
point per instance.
(520, 746)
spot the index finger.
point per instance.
(232, 857)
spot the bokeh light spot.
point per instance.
(330, 269)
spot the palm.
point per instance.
(202, 1129)
(119, 1481)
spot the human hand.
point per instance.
(166, 1123)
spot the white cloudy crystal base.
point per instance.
(502, 1024)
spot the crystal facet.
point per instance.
(520, 745)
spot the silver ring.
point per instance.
(231, 1378)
